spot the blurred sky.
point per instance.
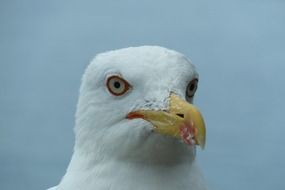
(238, 48)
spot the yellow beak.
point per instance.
(182, 121)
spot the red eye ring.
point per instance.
(117, 86)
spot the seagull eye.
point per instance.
(117, 85)
(191, 88)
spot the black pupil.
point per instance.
(192, 87)
(117, 84)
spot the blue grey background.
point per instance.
(237, 46)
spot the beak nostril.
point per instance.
(180, 115)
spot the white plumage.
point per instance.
(112, 152)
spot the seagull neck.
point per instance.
(126, 175)
(89, 158)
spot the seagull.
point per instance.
(136, 126)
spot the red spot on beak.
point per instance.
(188, 133)
(135, 115)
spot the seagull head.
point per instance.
(137, 104)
